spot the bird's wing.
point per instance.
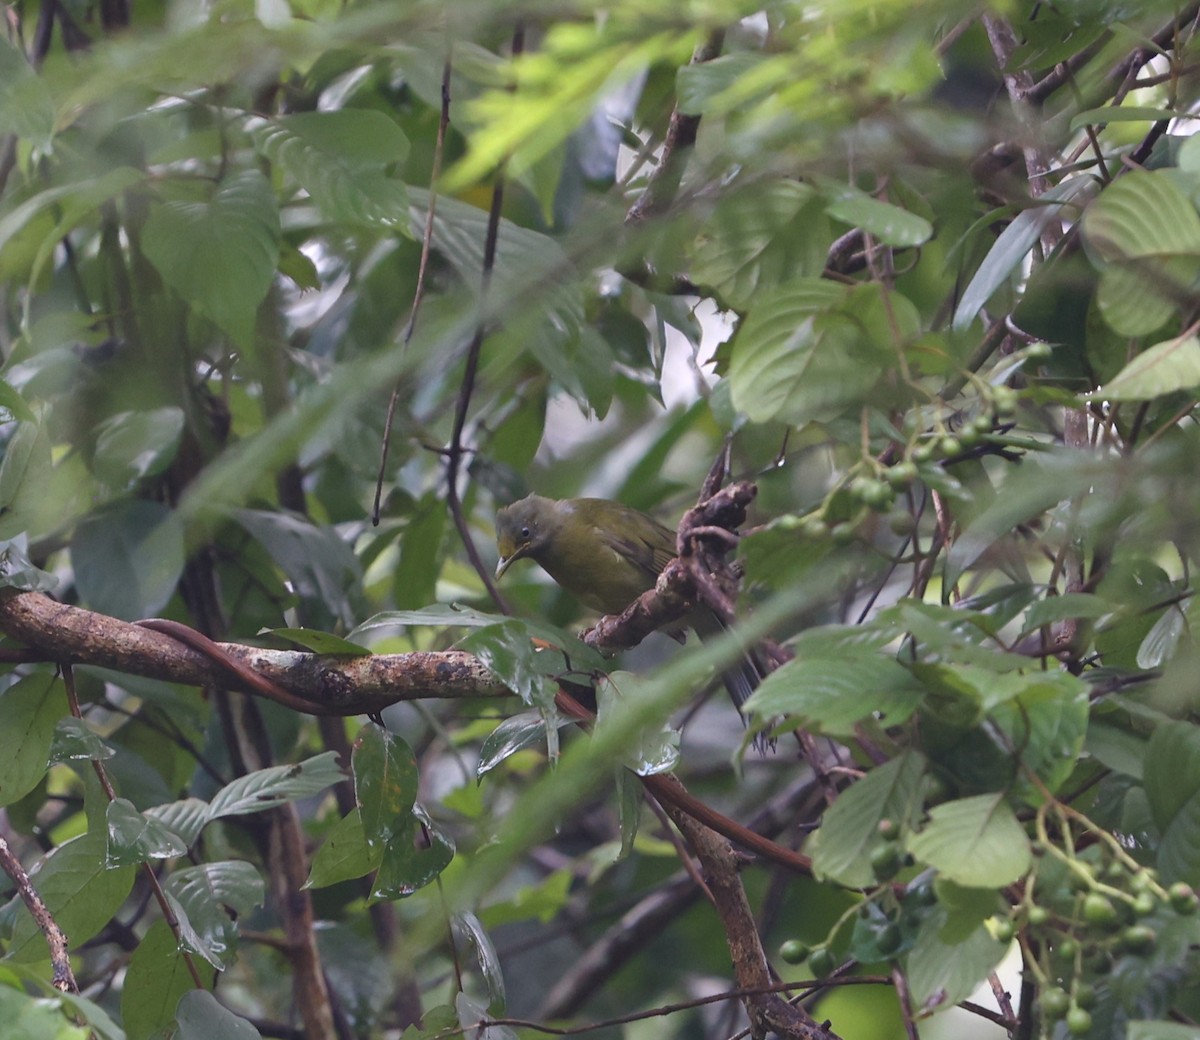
(650, 547)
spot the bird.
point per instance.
(606, 554)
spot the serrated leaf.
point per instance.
(341, 158)
(941, 974)
(30, 709)
(976, 842)
(266, 788)
(80, 893)
(849, 830)
(830, 694)
(775, 348)
(219, 254)
(128, 558)
(1164, 368)
(134, 838)
(758, 239)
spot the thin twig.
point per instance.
(454, 452)
(63, 978)
(419, 292)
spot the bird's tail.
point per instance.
(742, 677)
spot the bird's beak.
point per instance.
(502, 565)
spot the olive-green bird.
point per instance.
(606, 554)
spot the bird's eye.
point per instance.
(524, 532)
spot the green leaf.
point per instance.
(134, 838)
(385, 783)
(316, 560)
(24, 475)
(207, 894)
(318, 642)
(1172, 784)
(345, 854)
(506, 650)
(1010, 249)
(1147, 1029)
(341, 158)
(133, 445)
(18, 572)
(440, 615)
(976, 842)
(30, 709)
(940, 973)
(200, 1017)
(830, 694)
(416, 578)
(26, 104)
(1164, 368)
(699, 83)
(219, 253)
(156, 978)
(128, 558)
(757, 240)
(471, 928)
(35, 1018)
(80, 893)
(1081, 605)
(1122, 114)
(414, 861)
(849, 830)
(514, 734)
(1143, 214)
(775, 348)
(266, 788)
(890, 224)
(75, 742)
(185, 818)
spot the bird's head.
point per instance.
(523, 530)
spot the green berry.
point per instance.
(821, 962)
(1085, 995)
(889, 938)
(1038, 915)
(1005, 401)
(926, 451)
(1144, 904)
(1098, 910)
(1079, 1022)
(793, 951)
(886, 861)
(888, 830)
(1066, 949)
(950, 446)
(844, 533)
(1055, 1003)
(1004, 929)
(1138, 938)
(1038, 351)
(1183, 898)
(902, 474)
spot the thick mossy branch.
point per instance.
(342, 685)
